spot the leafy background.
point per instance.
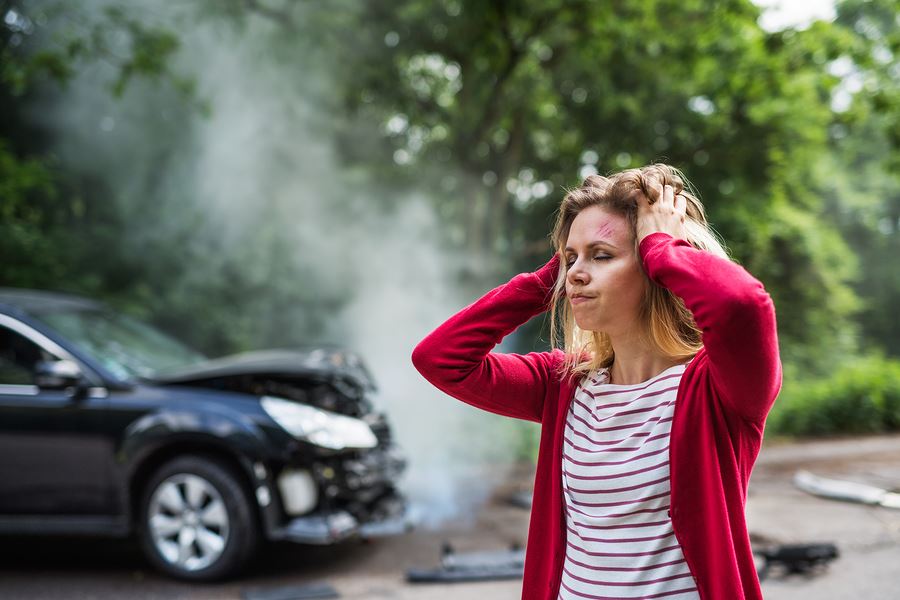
(255, 173)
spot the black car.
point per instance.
(108, 426)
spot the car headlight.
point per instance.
(319, 427)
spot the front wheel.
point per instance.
(196, 521)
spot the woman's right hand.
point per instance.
(665, 213)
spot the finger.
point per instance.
(668, 196)
(641, 199)
(680, 204)
(654, 193)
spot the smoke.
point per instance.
(258, 184)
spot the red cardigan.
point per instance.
(720, 411)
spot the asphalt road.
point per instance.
(868, 539)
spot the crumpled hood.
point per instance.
(320, 361)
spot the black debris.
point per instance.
(291, 592)
(796, 558)
(472, 566)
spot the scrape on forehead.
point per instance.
(596, 224)
(605, 229)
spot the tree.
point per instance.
(491, 109)
(515, 97)
(863, 198)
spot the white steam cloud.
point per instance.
(263, 162)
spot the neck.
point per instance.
(635, 362)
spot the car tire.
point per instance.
(196, 521)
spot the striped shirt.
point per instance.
(620, 543)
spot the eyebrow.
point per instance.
(593, 245)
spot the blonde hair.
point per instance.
(666, 323)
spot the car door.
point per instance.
(54, 459)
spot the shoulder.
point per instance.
(697, 365)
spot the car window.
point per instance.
(18, 357)
(123, 345)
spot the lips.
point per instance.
(579, 298)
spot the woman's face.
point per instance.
(603, 267)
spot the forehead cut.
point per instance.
(605, 230)
(595, 225)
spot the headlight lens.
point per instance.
(319, 427)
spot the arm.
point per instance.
(456, 357)
(735, 314)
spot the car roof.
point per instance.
(41, 301)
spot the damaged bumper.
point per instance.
(390, 516)
(334, 497)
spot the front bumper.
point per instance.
(390, 516)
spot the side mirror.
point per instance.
(57, 374)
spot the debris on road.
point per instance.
(796, 558)
(472, 566)
(849, 491)
(310, 591)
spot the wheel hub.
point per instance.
(188, 521)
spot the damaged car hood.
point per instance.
(325, 363)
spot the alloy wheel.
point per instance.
(188, 521)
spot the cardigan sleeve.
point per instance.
(457, 359)
(735, 315)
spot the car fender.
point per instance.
(210, 423)
(199, 428)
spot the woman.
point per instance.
(653, 413)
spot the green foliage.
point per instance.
(491, 111)
(29, 209)
(132, 47)
(507, 102)
(806, 265)
(862, 196)
(859, 396)
(875, 54)
(22, 183)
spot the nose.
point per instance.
(576, 274)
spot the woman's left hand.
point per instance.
(665, 213)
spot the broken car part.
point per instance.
(472, 566)
(310, 591)
(796, 558)
(849, 491)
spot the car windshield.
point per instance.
(127, 347)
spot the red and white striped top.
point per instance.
(620, 543)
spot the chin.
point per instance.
(588, 326)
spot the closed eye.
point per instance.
(571, 261)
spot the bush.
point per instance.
(862, 396)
